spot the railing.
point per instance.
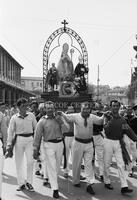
(11, 82)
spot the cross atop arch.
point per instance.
(64, 23)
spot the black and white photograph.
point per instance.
(68, 100)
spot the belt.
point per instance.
(96, 133)
(26, 135)
(112, 138)
(68, 134)
(85, 141)
(56, 140)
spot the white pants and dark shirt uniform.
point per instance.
(113, 131)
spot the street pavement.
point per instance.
(67, 190)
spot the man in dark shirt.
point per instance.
(135, 110)
(131, 119)
(114, 127)
(129, 115)
(133, 122)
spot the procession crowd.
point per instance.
(51, 139)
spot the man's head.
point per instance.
(129, 110)
(105, 107)
(65, 48)
(41, 108)
(80, 58)
(85, 109)
(22, 105)
(115, 106)
(34, 106)
(2, 107)
(135, 109)
(49, 108)
(70, 109)
(53, 65)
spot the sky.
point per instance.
(107, 27)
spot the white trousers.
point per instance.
(99, 152)
(24, 146)
(68, 144)
(132, 150)
(43, 161)
(113, 147)
(85, 151)
(53, 156)
(1, 166)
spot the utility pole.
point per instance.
(98, 84)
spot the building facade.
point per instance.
(10, 79)
(119, 93)
(32, 83)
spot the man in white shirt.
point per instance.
(49, 129)
(23, 125)
(83, 144)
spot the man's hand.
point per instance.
(108, 115)
(9, 152)
(59, 113)
(4, 150)
(35, 154)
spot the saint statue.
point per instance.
(80, 69)
(80, 72)
(65, 65)
(52, 77)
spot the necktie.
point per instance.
(85, 122)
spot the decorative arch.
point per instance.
(58, 33)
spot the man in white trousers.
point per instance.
(99, 148)
(69, 136)
(3, 138)
(49, 129)
(22, 125)
(115, 126)
(83, 144)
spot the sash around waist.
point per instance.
(112, 138)
(68, 134)
(25, 135)
(85, 141)
(56, 140)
